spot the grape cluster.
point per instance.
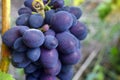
(46, 47)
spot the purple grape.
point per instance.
(76, 11)
(48, 15)
(49, 32)
(67, 43)
(19, 45)
(61, 21)
(22, 20)
(17, 57)
(22, 29)
(33, 54)
(49, 58)
(28, 3)
(36, 21)
(50, 42)
(30, 77)
(33, 38)
(19, 60)
(79, 30)
(47, 77)
(10, 36)
(71, 59)
(58, 4)
(25, 10)
(55, 70)
(36, 74)
(66, 76)
(30, 69)
(66, 68)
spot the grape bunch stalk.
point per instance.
(46, 39)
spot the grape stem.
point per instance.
(5, 52)
(39, 7)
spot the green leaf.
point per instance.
(5, 76)
(68, 2)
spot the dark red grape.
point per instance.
(33, 38)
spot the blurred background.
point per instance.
(101, 49)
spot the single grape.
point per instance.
(25, 10)
(53, 71)
(58, 4)
(50, 42)
(65, 8)
(30, 69)
(17, 57)
(71, 59)
(28, 3)
(36, 74)
(67, 43)
(74, 20)
(67, 75)
(36, 21)
(66, 68)
(76, 11)
(49, 58)
(33, 54)
(33, 38)
(49, 32)
(30, 77)
(79, 30)
(22, 20)
(19, 45)
(48, 15)
(22, 29)
(19, 60)
(47, 77)
(61, 21)
(10, 36)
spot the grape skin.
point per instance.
(19, 45)
(61, 21)
(49, 58)
(10, 36)
(36, 21)
(79, 30)
(33, 38)
(50, 42)
(33, 54)
(24, 10)
(22, 20)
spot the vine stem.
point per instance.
(5, 52)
